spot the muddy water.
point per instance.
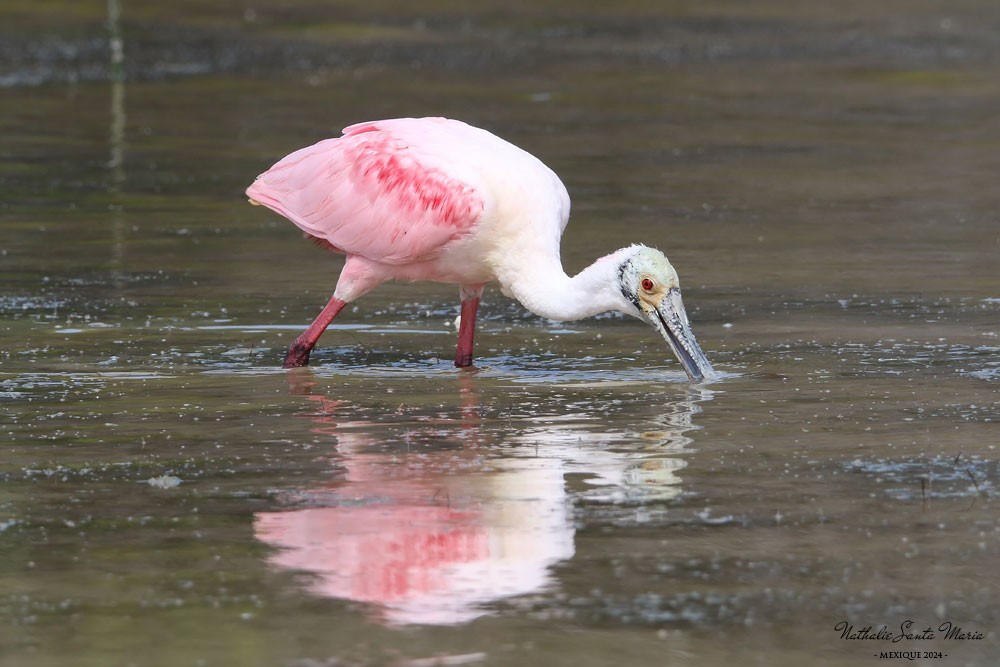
(824, 182)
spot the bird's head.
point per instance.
(651, 287)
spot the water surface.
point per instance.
(822, 180)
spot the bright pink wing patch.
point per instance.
(372, 193)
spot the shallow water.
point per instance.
(824, 181)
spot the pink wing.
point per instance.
(374, 193)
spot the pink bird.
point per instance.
(437, 199)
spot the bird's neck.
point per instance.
(544, 288)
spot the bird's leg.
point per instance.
(298, 353)
(467, 326)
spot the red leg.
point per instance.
(298, 353)
(467, 328)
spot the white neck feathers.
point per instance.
(544, 288)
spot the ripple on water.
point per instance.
(56, 384)
(15, 304)
(990, 372)
(937, 477)
(577, 373)
(260, 328)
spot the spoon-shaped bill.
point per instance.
(670, 319)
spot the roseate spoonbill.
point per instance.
(437, 199)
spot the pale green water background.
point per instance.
(824, 177)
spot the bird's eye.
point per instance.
(647, 284)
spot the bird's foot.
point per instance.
(297, 356)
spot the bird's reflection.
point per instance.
(478, 512)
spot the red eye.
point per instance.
(647, 284)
